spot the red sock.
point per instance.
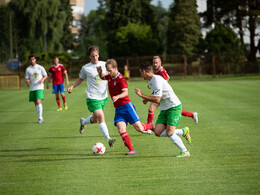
(64, 99)
(150, 117)
(127, 141)
(147, 126)
(58, 101)
(186, 113)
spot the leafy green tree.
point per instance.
(135, 40)
(4, 33)
(125, 13)
(222, 39)
(243, 14)
(184, 27)
(94, 31)
(41, 24)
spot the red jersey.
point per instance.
(115, 87)
(162, 72)
(57, 74)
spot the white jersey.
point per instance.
(161, 88)
(97, 88)
(35, 74)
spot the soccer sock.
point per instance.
(64, 99)
(164, 134)
(186, 113)
(150, 117)
(39, 110)
(87, 120)
(179, 131)
(178, 142)
(104, 129)
(127, 141)
(147, 126)
(58, 102)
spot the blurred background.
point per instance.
(203, 37)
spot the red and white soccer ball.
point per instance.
(98, 148)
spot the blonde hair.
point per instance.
(157, 57)
(112, 62)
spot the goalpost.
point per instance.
(10, 82)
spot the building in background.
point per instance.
(4, 2)
(77, 12)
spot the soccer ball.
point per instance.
(98, 148)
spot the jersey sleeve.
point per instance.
(27, 76)
(43, 71)
(82, 74)
(123, 84)
(164, 74)
(157, 91)
(63, 68)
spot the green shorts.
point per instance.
(172, 116)
(35, 95)
(94, 104)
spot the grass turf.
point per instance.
(53, 158)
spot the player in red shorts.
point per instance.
(125, 110)
(159, 70)
(56, 73)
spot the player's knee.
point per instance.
(156, 133)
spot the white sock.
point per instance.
(164, 133)
(104, 129)
(87, 120)
(39, 110)
(178, 142)
(179, 131)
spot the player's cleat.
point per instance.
(131, 152)
(59, 109)
(40, 121)
(195, 117)
(81, 128)
(65, 107)
(149, 132)
(111, 142)
(183, 154)
(186, 134)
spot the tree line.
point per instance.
(129, 28)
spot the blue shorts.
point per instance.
(58, 88)
(126, 113)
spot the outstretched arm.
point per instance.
(77, 82)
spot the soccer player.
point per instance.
(96, 93)
(35, 75)
(56, 73)
(170, 106)
(125, 111)
(159, 70)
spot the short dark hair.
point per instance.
(146, 66)
(92, 48)
(55, 57)
(31, 56)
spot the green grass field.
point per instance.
(53, 158)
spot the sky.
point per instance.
(93, 4)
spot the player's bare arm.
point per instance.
(28, 82)
(121, 95)
(43, 79)
(49, 79)
(77, 82)
(150, 98)
(101, 74)
(67, 78)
